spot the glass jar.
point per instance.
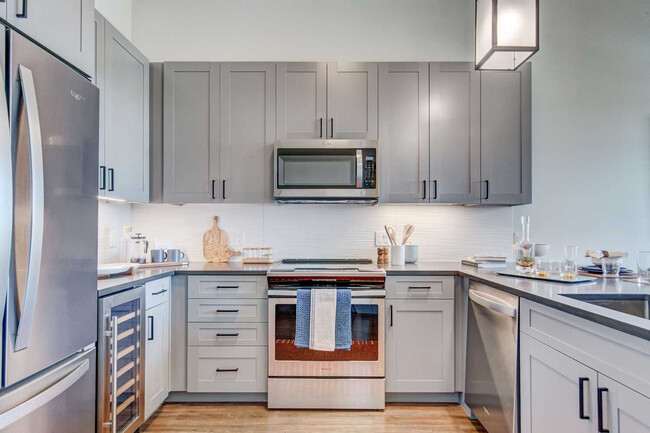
(525, 249)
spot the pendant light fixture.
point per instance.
(506, 33)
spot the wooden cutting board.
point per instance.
(215, 245)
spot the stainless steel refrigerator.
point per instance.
(48, 233)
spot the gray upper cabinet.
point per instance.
(191, 132)
(71, 37)
(247, 131)
(455, 115)
(302, 100)
(3, 10)
(125, 109)
(352, 100)
(404, 132)
(506, 136)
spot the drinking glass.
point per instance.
(543, 267)
(643, 262)
(569, 268)
(611, 266)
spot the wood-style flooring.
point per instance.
(255, 418)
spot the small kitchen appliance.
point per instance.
(300, 378)
(139, 248)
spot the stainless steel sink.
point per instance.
(636, 305)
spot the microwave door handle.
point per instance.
(6, 197)
(37, 207)
(359, 167)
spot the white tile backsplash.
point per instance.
(112, 217)
(443, 232)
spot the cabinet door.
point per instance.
(506, 136)
(352, 100)
(624, 410)
(126, 122)
(455, 133)
(156, 370)
(247, 131)
(63, 26)
(420, 346)
(301, 106)
(98, 80)
(190, 132)
(3, 10)
(404, 132)
(551, 397)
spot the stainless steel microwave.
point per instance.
(325, 171)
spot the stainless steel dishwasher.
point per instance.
(492, 369)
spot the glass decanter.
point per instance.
(525, 262)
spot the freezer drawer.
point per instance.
(61, 399)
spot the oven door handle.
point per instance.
(371, 293)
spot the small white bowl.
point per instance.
(542, 249)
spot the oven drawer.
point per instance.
(206, 286)
(420, 287)
(227, 334)
(226, 369)
(227, 310)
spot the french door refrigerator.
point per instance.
(48, 233)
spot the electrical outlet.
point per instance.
(240, 239)
(381, 239)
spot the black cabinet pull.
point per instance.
(227, 369)
(223, 189)
(487, 190)
(213, 196)
(332, 127)
(581, 384)
(321, 127)
(420, 287)
(102, 182)
(111, 179)
(391, 315)
(228, 311)
(227, 287)
(424, 190)
(234, 334)
(601, 428)
(159, 293)
(150, 337)
(435, 190)
(21, 9)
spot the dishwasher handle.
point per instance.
(492, 302)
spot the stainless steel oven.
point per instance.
(325, 171)
(301, 378)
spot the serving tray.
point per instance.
(555, 279)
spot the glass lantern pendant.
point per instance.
(507, 33)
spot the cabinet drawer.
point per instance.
(226, 369)
(420, 287)
(227, 334)
(227, 310)
(226, 287)
(157, 292)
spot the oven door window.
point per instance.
(365, 336)
(316, 168)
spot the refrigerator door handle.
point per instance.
(37, 208)
(41, 399)
(6, 197)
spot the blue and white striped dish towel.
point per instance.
(343, 327)
(303, 308)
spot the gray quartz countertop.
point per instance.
(547, 293)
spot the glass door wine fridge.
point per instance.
(120, 387)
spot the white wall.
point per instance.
(591, 126)
(118, 12)
(112, 217)
(324, 30)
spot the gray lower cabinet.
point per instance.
(627, 411)
(227, 334)
(404, 132)
(420, 346)
(123, 79)
(302, 100)
(352, 100)
(506, 136)
(455, 121)
(190, 132)
(63, 26)
(157, 344)
(247, 131)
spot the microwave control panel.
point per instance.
(369, 169)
